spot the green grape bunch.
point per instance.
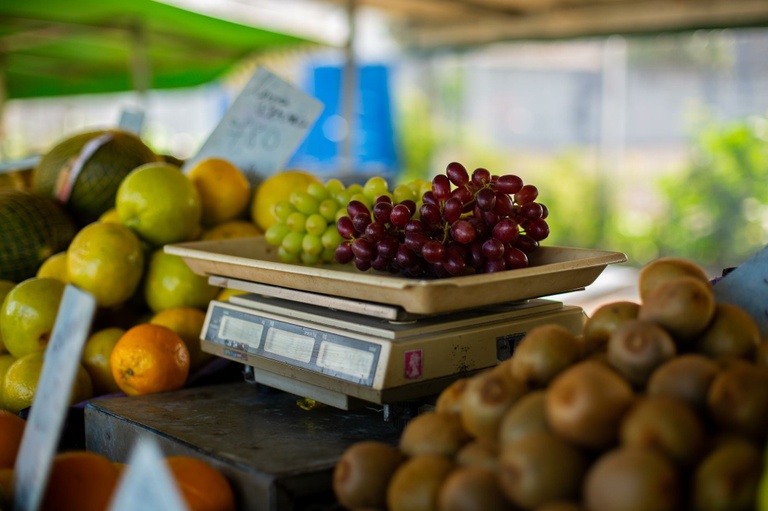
(305, 228)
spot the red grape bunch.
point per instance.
(478, 223)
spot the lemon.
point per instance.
(5, 288)
(160, 203)
(21, 379)
(6, 360)
(55, 267)
(232, 229)
(188, 323)
(110, 216)
(223, 188)
(169, 283)
(226, 292)
(95, 359)
(106, 260)
(274, 189)
(29, 313)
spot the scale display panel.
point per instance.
(332, 354)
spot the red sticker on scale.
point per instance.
(413, 364)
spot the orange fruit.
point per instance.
(148, 359)
(188, 323)
(232, 229)
(6, 488)
(223, 188)
(202, 486)
(276, 188)
(11, 431)
(80, 481)
(95, 359)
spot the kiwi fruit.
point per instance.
(632, 478)
(667, 424)
(449, 400)
(416, 483)
(362, 474)
(586, 402)
(528, 415)
(732, 333)
(603, 321)
(663, 269)
(433, 433)
(686, 377)
(638, 347)
(539, 468)
(728, 478)
(479, 453)
(761, 354)
(543, 353)
(486, 399)
(737, 401)
(683, 306)
(472, 489)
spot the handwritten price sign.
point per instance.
(263, 126)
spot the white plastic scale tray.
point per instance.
(552, 270)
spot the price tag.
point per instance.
(147, 483)
(49, 407)
(747, 287)
(132, 121)
(263, 126)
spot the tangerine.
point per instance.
(80, 481)
(11, 431)
(224, 189)
(188, 323)
(148, 359)
(203, 487)
(232, 229)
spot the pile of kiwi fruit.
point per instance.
(657, 405)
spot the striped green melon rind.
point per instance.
(32, 228)
(96, 185)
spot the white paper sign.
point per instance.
(147, 483)
(49, 407)
(747, 287)
(263, 126)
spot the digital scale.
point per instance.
(347, 338)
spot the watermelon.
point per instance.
(32, 228)
(102, 158)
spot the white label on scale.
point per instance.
(343, 359)
(289, 345)
(238, 330)
(262, 127)
(49, 407)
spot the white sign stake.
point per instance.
(747, 287)
(262, 127)
(147, 483)
(49, 407)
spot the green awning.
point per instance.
(66, 47)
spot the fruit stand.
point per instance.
(300, 344)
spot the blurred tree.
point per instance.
(716, 210)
